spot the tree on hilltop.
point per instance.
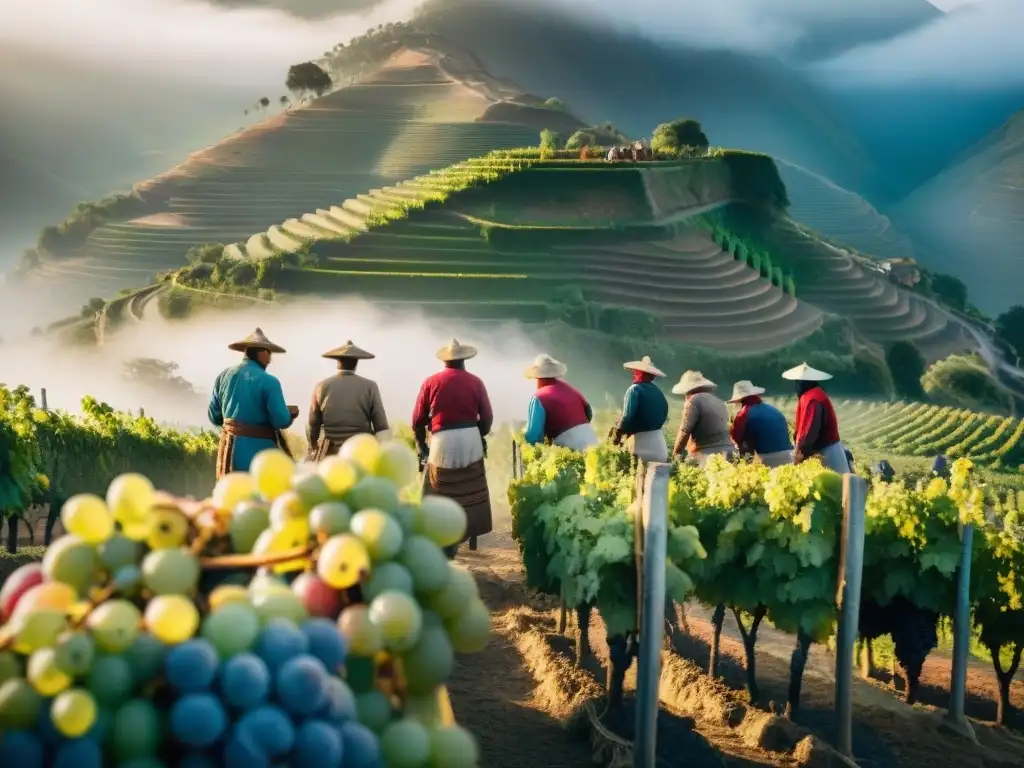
(548, 142)
(284, 101)
(672, 137)
(264, 102)
(1010, 328)
(306, 78)
(582, 139)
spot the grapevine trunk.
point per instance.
(1004, 678)
(797, 663)
(717, 620)
(12, 532)
(583, 632)
(620, 657)
(749, 642)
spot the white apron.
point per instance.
(456, 448)
(650, 446)
(578, 438)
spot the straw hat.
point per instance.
(256, 340)
(545, 367)
(455, 351)
(743, 389)
(644, 365)
(804, 372)
(348, 350)
(690, 381)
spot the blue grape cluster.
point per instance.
(280, 703)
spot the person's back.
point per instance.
(243, 394)
(351, 405)
(767, 429)
(711, 431)
(453, 397)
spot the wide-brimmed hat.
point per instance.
(804, 372)
(256, 340)
(455, 351)
(690, 381)
(743, 389)
(545, 367)
(350, 351)
(644, 365)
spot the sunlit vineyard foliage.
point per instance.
(47, 456)
(765, 544)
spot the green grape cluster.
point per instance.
(304, 615)
(573, 517)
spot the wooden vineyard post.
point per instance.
(653, 518)
(961, 631)
(851, 566)
(42, 399)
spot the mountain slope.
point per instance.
(841, 215)
(408, 117)
(975, 208)
(742, 100)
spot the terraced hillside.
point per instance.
(408, 117)
(624, 235)
(841, 215)
(881, 311)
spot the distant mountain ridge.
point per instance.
(976, 207)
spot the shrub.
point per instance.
(205, 253)
(671, 137)
(548, 143)
(581, 139)
(175, 305)
(790, 286)
(964, 381)
(555, 103)
(907, 366)
(243, 273)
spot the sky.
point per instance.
(254, 43)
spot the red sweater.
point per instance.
(451, 399)
(564, 407)
(805, 415)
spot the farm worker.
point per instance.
(453, 404)
(644, 413)
(557, 410)
(344, 405)
(704, 429)
(760, 429)
(248, 405)
(817, 428)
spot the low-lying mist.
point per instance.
(404, 343)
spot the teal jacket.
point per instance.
(248, 394)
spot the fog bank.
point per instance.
(404, 343)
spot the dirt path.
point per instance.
(887, 732)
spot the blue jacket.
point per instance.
(767, 430)
(248, 394)
(644, 409)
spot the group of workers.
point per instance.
(248, 404)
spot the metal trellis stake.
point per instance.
(654, 519)
(961, 630)
(851, 567)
